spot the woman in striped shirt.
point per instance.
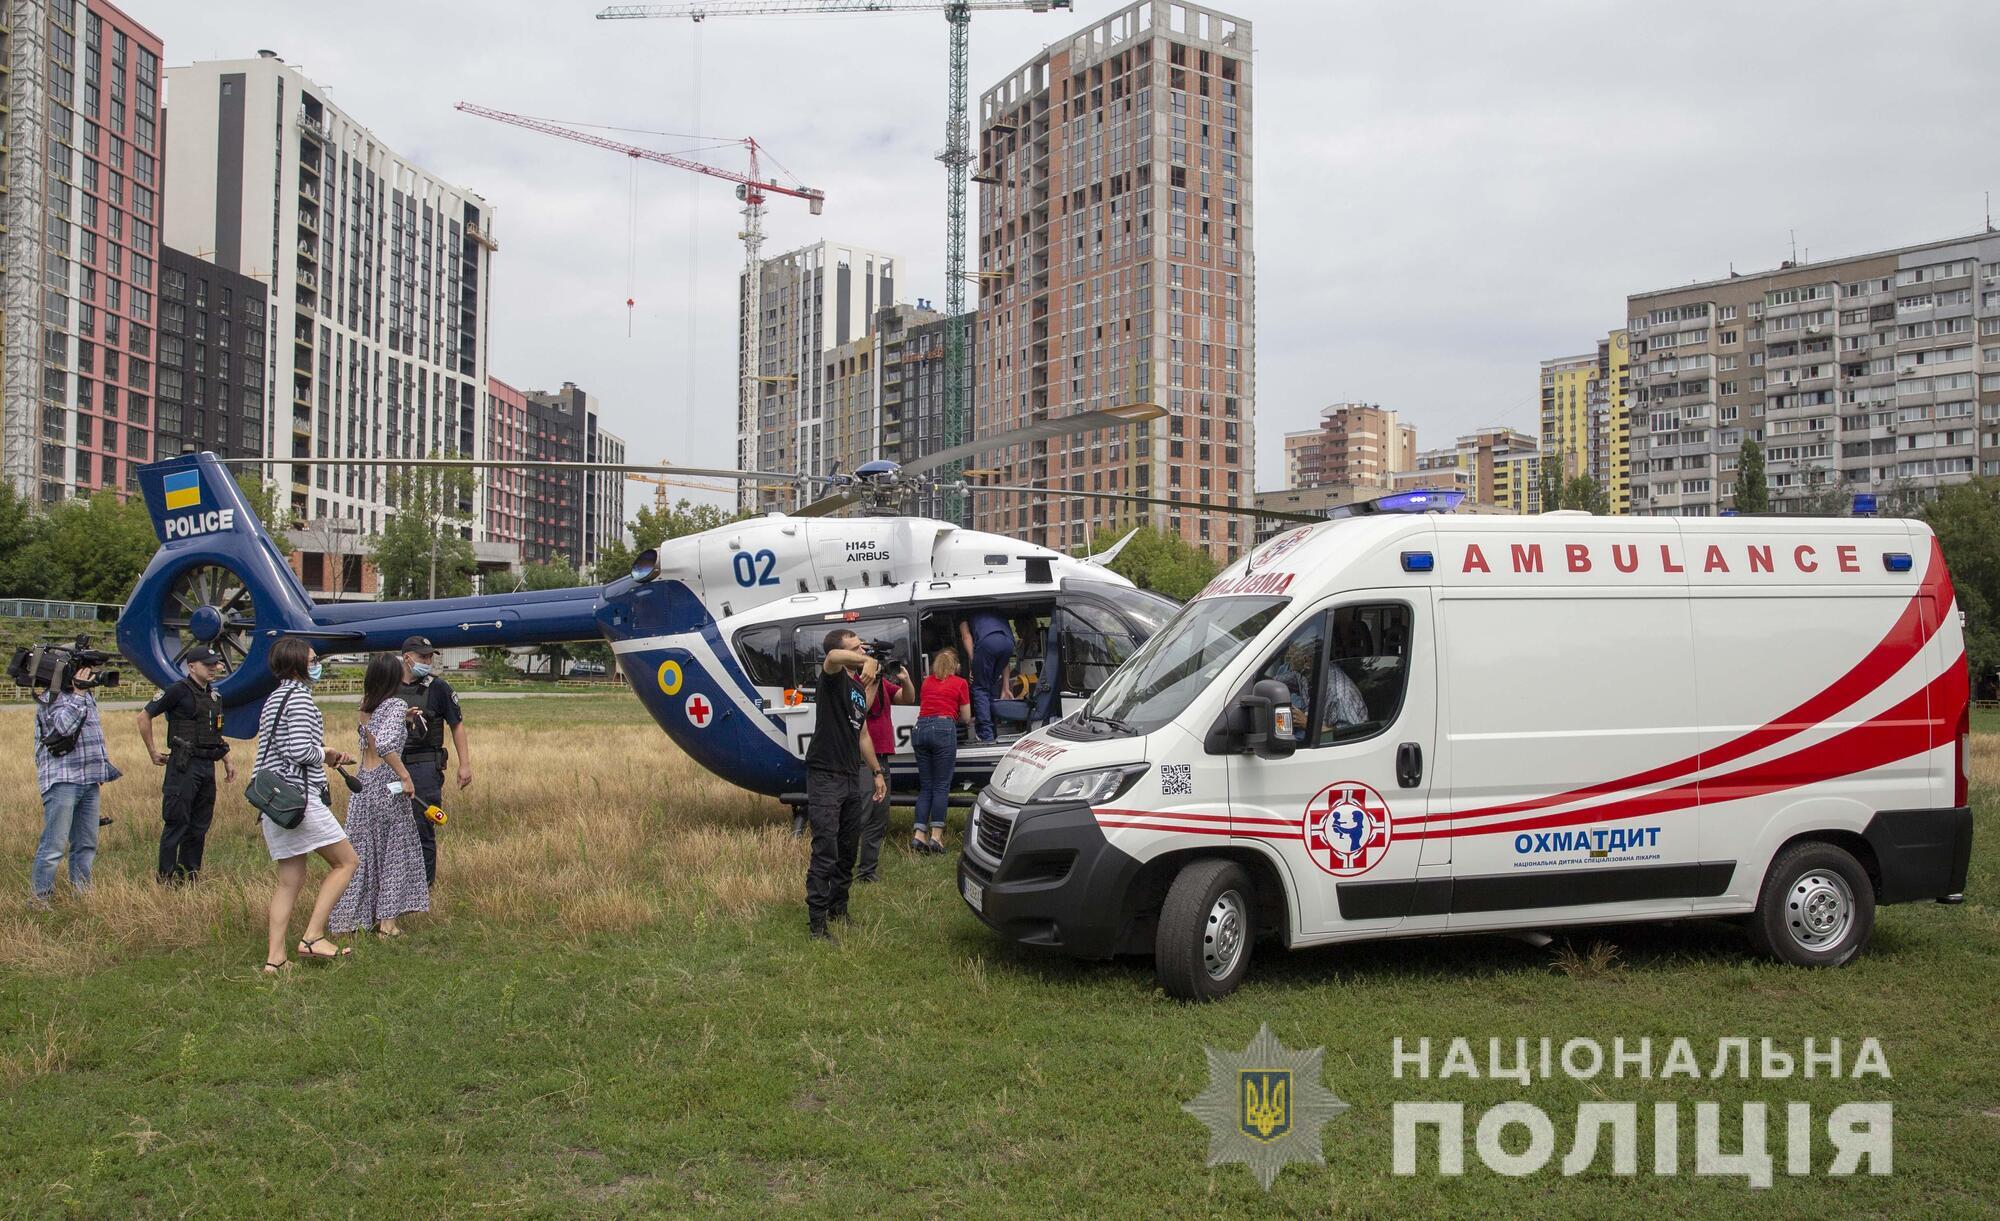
(291, 741)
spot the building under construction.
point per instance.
(1116, 266)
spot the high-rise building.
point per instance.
(80, 180)
(1878, 373)
(1115, 255)
(910, 372)
(814, 300)
(1499, 467)
(1585, 423)
(1360, 444)
(507, 440)
(569, 515)
(1301, 451)
(850, 418)
(379, 272)
(212, 391)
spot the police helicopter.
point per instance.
(720, 633)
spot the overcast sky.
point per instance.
(1446, 193)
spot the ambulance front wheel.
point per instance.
(1202, 949)
(1817, 908)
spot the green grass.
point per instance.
(921, 1067)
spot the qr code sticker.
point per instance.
(1177, 780)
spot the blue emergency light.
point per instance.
(1418, 561)
(1864, 504)
(1896, 561)
(1423, 500)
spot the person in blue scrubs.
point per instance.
(989, 642)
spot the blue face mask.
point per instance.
(314, 670)
(420, 669)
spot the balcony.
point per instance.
(315, 128)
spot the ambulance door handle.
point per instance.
(1409, 765)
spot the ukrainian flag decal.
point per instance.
(183, 490)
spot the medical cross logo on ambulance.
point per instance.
(1578, 720)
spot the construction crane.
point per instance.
(956, 154)
(751, 188)
(663, 500)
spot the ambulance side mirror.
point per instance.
(1268, 713)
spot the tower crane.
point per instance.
(751, 188)
(956, 154)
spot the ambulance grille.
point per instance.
(993, 832)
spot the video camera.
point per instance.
(883, 652)
(54, 665)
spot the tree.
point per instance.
(1823, 495)
(1753, 494)
(270, 508)
(559, 573)
(1966, 519)
(1583, 492)
(1164, 563)
(25, 570)
(614, 560)
(1550, 475)
(495, 659)
(651, 527)
(421, 552)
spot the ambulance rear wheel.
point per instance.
(1817, 908)
(1202, 949)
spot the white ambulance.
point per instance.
(1403, 724)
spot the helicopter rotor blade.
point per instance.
(1193, 506)
(826, 506)
(701, 472)
(1046, 430)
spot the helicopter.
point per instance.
(720, 632)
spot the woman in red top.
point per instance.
(946, 704)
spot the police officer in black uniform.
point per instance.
(194, 743)
(433, 710)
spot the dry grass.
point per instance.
(592, 828)
(1986, 759)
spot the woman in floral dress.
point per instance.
(390, 881)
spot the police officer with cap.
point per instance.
(433, 709)
(194, 743)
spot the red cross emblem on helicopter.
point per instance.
(1347, 828)
(699, 711)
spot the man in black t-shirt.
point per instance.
(194, 743)
(837, 790)
(433, 716)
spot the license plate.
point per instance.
(975, 894)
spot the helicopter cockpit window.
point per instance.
(1094, 643)
(888, 637)
(762, 651)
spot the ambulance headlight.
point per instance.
(1093, 787)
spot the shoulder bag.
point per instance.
(276, 798)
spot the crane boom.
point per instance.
(815, 198)
(756, 8)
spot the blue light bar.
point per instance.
(1423, 501)
(1423, 561)
(1896, 561)
(1864, 504)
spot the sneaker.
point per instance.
(817, 930)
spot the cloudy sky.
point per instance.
(1446, 193)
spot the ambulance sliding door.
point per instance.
(1562, 704)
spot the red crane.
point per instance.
(751, 188)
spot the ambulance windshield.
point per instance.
(1162, 678)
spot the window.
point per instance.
(1346, 670)
(888, 634)
(764, 657)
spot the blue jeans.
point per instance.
(990, 655)
(69, 819)
(936, 741)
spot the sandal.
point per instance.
(306, 950)
(274, 968)
(385, 934)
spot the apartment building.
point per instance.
(1876, 373)
(1301, 451)
(850, 416)
(1499, 467)
(911, 398)
(1359, 443)
(814, 299)
(80, 181)
(507, 440)
(212, 389)
(1116, 266)
(379, 273)
(1585, 417)
(568, 515)
(1613, 393)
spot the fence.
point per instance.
(36, 608)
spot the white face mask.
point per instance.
(420, 669)
(313, 672)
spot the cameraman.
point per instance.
(194, 743)
(70, 765)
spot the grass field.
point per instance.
(614, 1010)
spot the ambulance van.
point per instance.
(1405, 724)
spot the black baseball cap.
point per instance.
(203, 655)
(420, 645)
